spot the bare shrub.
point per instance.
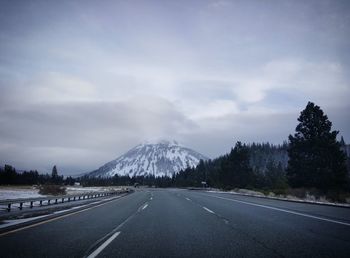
(52, 190)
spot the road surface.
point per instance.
(184, 223)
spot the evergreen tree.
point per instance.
(54, 175)
(315, 158)
(342, 142)
(236, 170)
(275, 176)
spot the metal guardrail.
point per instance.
(51, 200)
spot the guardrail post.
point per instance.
(21, 205)
(74, 198)
(68, 199)
(9, 207)
(48, 202)
(31, 204)
(62, 200)
(41, 202)
(56, 201)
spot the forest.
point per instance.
(312, 158)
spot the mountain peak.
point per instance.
(157, 158)
(161, 141)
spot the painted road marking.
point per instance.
(97, 243)
(188, 199)
(145, 206)
(283, 210)
(56, 218)
(208, 210)
(103, 246)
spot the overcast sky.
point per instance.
(84, 81)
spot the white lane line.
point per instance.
(97, 243)
(282, 210)
(188, 199)
(145, 206)
(56, 218)
(208, 210)
(103, 246)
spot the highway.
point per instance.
(185, 223)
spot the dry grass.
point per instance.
(52, 190)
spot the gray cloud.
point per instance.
(102, 128)
(81, 82)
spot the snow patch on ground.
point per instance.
(72, 190)
(8, 223)
(24, 192)
(11, 222)
(9, 193)
(308, 199)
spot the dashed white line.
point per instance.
(145, 206)
(103, 246)
(282, 210)
(188, 199)
(208, 210)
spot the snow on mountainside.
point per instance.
(159, 159)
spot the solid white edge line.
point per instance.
(208, 210)
(145, 206)
(54, 218)
(282, 210)
(103, 246)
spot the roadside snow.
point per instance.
(19, 192)
(9, 193)
(7, 223)
(71, 190)
(308, 199)
(11, 222)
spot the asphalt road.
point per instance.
(183, 223)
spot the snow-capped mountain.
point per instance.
(163, 158)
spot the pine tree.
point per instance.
(342, 142)
(54, 174)
(315, 157)
(235, 169)
(275, 175)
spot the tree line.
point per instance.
(9, 176)
(312, 158)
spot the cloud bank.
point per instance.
(82, 82)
